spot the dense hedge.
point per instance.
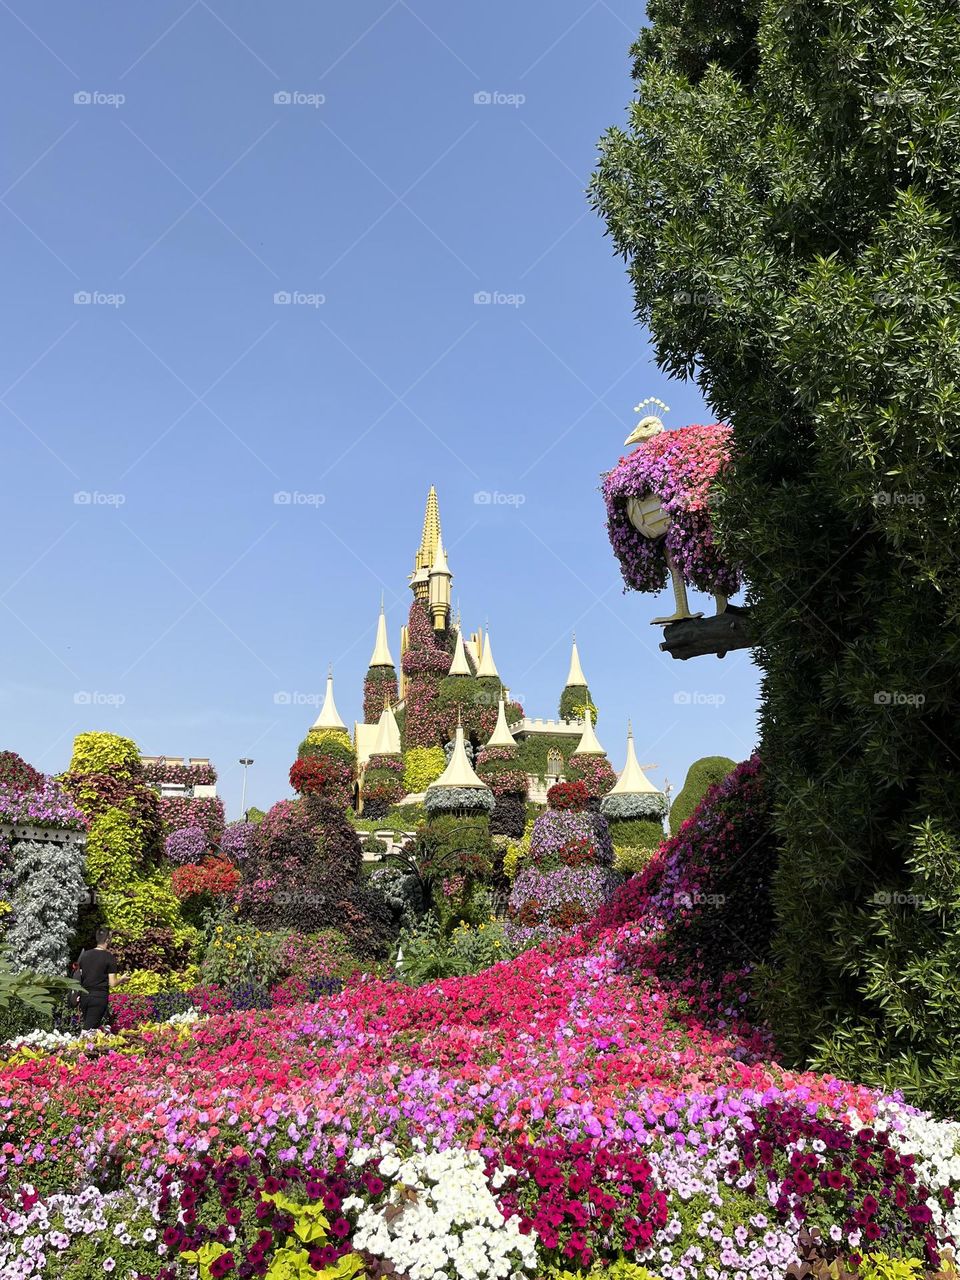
(701, 776)
(573, 702)
(532, 752)
(421, 765)
(328, 742)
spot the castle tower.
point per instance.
(427, 551)
(576, 695)
(438, 588)
(381, 656)
(329, 717)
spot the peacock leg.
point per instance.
(721, 602)
(682, 609)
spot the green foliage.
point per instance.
(113, 849)
(421, 765)
(255, 815)
(631, 860)
(28, 998)
(130, 908)
(788, 215)
(532, 752)
(239, 953)
(574, 702)
(701, 776)
(328, 742)
(431, 954)
(103, 753)
(637, 833)
(619, 1270)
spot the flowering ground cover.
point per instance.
(559, 1109)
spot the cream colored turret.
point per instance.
(388, 734)
(487, 665)
(459, 666)
(329, 717)
(439, 588)
(588, 744)
(633, 781)
(575, 677)
(381, 650)
(501, 736)
(459, 772)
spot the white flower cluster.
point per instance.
(184, 1019)
(936, 1146)
(440, 1219)
(46, 1040)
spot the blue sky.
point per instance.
(152, 170)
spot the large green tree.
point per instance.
(787, 197)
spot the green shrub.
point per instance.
(421, 766)
(701, 776)
(104, 752)
(328, 742)
(637, 833)
(630, 860)
(532, 752)
(574, 701)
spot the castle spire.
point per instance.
(460, 666)
(381, 650)
(501, 736)
(589, 744)
(487, 665)
(633, 781)
(426, 552)
(329, 717)
(388, 734)
(459, 772)
(575, 676)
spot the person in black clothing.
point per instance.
(98, 974)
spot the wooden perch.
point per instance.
(694, 637)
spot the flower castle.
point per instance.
(447, 698)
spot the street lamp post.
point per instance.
(246, 762)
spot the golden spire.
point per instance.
(431, 533)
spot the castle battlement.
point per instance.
(565, 728)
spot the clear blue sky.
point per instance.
(181, 599)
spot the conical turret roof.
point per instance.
(388, 734)
(440, 560)
(487, 665)
(459, 772)
(329, 717)
(460, 666)
(431, 533)
(588, 744)
(381, 650)
(633, 781)
(501, 736)
(575, 676)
